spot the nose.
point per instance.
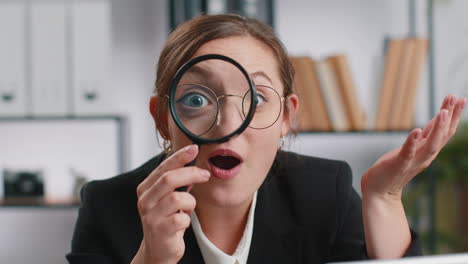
(229, 116)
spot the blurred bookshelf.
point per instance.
(68, 152)
(56, 65)
(38, 202)
(341, 110)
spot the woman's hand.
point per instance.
(164, 212)
(385, 224)
(391, 172)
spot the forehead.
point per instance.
(252, 54)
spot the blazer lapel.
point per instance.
(276, 236)
(192, 254)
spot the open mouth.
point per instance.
(224, 162)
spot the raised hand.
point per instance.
(391, 172)
(164, 212)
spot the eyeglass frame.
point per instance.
(196, 139)
(282, 99)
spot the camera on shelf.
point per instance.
(23, 183)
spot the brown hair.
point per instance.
(188, 37)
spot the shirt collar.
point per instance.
(213, 255)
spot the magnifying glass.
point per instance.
(212, 99)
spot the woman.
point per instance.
(274, 206)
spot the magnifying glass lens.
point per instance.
(210, 99)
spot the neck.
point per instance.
(224, 227)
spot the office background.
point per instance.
(119, 133)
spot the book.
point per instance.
(390, 75)
(354, 110)
(332, 96)
(303, 123)
(410, 92)
(398, 98)
(312, 112)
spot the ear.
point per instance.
(291, 105)
(161, 120)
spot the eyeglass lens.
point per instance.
(213, 98)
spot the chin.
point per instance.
(223, 195)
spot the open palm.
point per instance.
(391, 172)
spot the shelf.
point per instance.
(364, 132)
(58, 118)
(49, 202)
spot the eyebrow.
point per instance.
(261, 74)
(196, 69)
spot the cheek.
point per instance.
(178, 139)
(263, 145)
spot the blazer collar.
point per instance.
(192, 254)
(276, 235)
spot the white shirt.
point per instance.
(213, 255)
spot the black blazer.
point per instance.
(307, 212)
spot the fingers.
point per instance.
(176, 202)
(164, 212)
(443, 126)
(435, 140)
(459, 106)
(408, 149)
(175, 222)
(428, 128)
(177, 160)
(171, 180)
(165, 227)
(168, 205)
(180, 158)
(451, 101)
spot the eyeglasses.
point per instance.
(203, 109)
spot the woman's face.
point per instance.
(253, 151)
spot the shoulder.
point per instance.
(301, 169)
(311, 186)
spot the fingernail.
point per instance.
(416, 135)
(191, 149)
(206, 174)
(452, 101)
(444, 116)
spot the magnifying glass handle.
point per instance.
(184, 188)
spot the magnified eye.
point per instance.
(194, 100)
(261, 99)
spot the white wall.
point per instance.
(40, 235)
(451, 44)
(139, 31)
